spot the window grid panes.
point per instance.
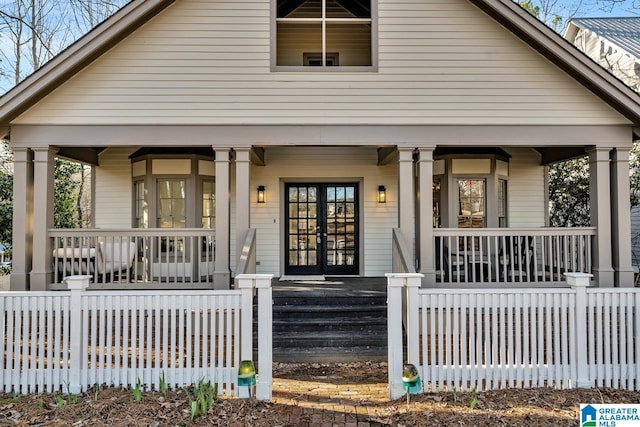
(141, 209)
(303, 226)
(338, 33)
(172, 203)
(208, 204)
(471, 199)
(341, 214)
(502, 203)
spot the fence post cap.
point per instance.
(77, 282)
(248, 280)
(578, 278)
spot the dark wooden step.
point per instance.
(336, 325)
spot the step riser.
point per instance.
(330, 301)
(334, 326)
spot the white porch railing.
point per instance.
(171, 257)
(515, 338)
(58, 339)
(508, 256)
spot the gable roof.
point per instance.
(507, 13)
(623, 32)
(76, 57)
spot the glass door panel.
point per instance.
(302, 230)
(321, 229)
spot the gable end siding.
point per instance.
(208, 62)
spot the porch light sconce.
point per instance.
(261, 194)
(382, 194)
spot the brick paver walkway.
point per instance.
(332, 401)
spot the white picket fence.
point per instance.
(72, 340)
(514, 338)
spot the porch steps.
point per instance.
(330, 322)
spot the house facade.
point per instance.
(293, 137)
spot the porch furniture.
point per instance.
(107, 259)
(72, 261)
(516, 259)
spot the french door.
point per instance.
(321, 231)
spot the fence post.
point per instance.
(413, 283)
(245, 284)
(579, 282)
(77, 285)
(265, 336)
(262, 282)
(395, 285)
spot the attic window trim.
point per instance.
(371, 21)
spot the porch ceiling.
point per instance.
(88, 155)
(550, 155)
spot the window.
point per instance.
(502, 203)
(324, 33)
(171, 203)
(437, 188)
(141, 208)
(471, 203)
(208, 204)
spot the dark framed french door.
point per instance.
(321, 229)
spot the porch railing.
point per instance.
(169, 257)
(508, 256)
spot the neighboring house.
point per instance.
(614, 43)
(321, 126)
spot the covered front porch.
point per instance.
(454, 237)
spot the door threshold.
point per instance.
(300, 278)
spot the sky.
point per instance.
(603, 8)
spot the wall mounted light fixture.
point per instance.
(261, 194)
(382, 194)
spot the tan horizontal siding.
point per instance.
(113, 198)
(329, 164)
(208, 62)
(525, 189)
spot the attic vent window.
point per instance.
(315, 59)
(316, 33)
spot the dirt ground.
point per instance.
(353, 394)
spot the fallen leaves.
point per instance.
(115, 407)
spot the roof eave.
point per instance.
(77, 56)
(559, 51)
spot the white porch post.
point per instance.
(599, 186)
(243, 204)
(621, 218)
(22, 218)
(43, 176)
(427, 259)
(406, 197)
(222, 275)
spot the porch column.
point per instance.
(427, 259)
(222, 275)
(599, 185)
(43, 176)
(22, 219)
(243, 204)
(621, 218)
(406, 195)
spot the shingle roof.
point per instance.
(624, 32)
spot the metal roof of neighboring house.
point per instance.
(624, 32)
